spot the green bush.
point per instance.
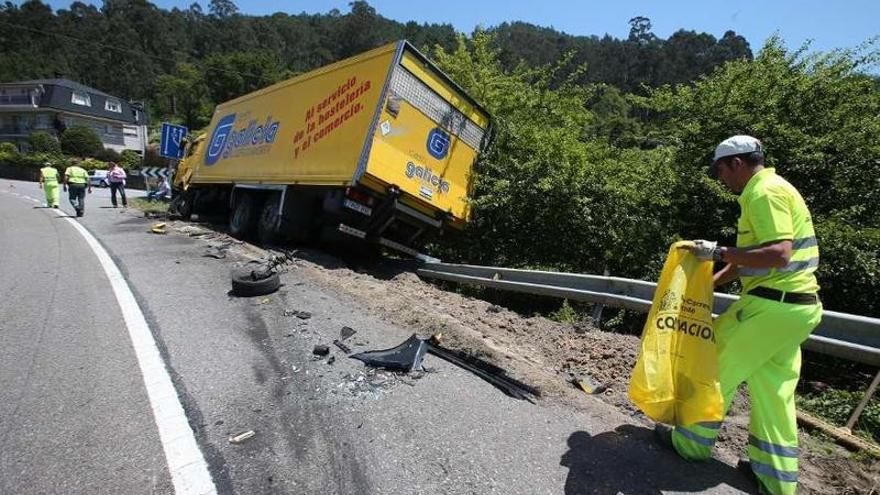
(31, 160)
(108, 155)
(81, 141)
(8, 149)
(130, 160)
(94, 164)
(42, 141)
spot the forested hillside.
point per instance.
(183, 62)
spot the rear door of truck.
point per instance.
(427, 138)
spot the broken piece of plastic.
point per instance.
(241, 437)
(587, 384)
(407, 356)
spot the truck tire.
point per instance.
(182, 204)
(267, 225)
(243, 218)
(247, 282)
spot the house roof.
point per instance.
(59, 92)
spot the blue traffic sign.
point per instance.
(172, 140)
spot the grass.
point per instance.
(147, 206)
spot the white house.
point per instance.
(53, 105)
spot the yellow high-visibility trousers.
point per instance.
(758, 342)
(52, 194)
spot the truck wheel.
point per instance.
(243, 218)
(267, 226)
(182, 205)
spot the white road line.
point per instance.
(189, 471)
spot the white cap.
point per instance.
(737, 145)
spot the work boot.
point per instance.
(745, 467)
(663, 434)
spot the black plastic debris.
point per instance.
(346, 332)
(302, 315)
(407, 356)
(338, 343)
(321, 350)
(487, 371)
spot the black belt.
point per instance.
(786, 297)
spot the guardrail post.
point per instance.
(597, 308)
(867, 398)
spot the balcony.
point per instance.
(19, 100)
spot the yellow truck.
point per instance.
(380, 146)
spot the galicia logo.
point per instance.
(218, 139)
(438, 143)
(252, 139)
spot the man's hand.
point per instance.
(704, 250)
(90, 189)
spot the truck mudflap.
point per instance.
(360, 234)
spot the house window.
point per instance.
(113, 106)
(80, 98)
(130, 131)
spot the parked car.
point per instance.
(99, 178)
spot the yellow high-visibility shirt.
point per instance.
(50, 175)
(76, 175)
(773, 210)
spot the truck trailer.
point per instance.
(379, 147)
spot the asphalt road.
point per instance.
(75, 417)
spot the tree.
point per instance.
(43, 142)
(183, 97)
(81, 141)
(222, 8)
(228, 76)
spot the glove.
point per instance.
(704, 250)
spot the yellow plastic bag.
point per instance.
(675, 380)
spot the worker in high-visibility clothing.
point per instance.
(759, 336)
(76, 181)
(49, 185)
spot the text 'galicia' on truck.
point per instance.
(380, 146)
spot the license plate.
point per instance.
(358, 207)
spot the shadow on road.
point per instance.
(626, 461)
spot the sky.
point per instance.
(828, 24)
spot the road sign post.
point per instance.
(172, 141)
(172, 147)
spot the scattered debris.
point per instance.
(346, 332)
(302, 315)
(407, 356)
(295, 369)
(265, 300)
(487, 371)
(338, 343)
(369, 383)
(321, 350)
(242, 437)
(215, 252)
(158, 228)
(587, 384)
(331, 360)
(494, 309)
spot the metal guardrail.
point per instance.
(846, 336)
